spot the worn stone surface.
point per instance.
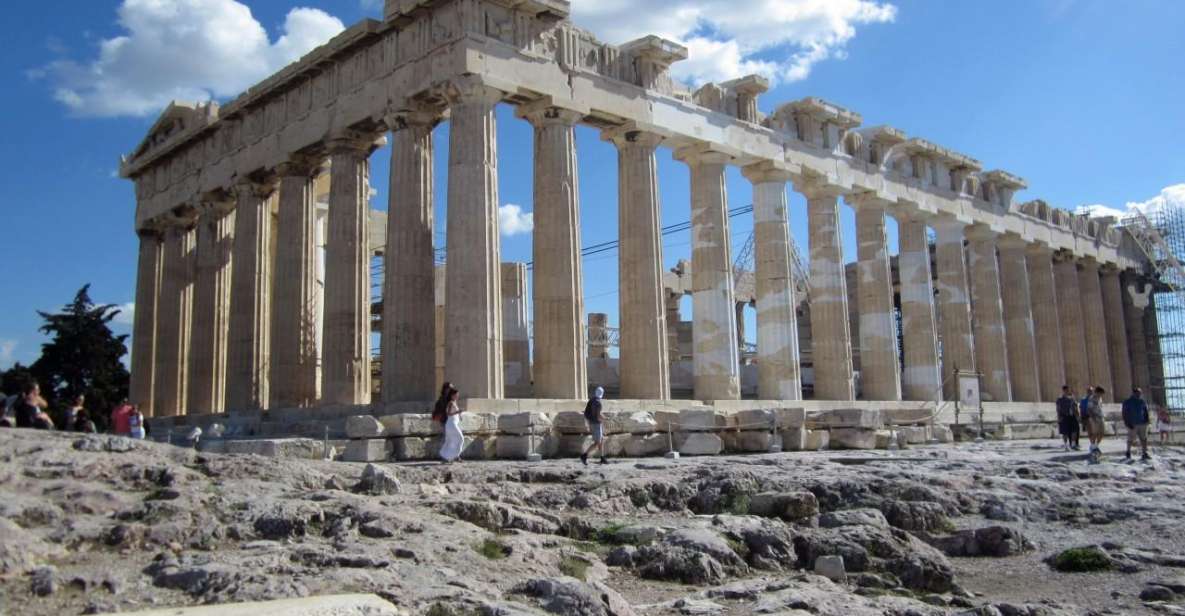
(853, 438)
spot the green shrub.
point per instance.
(493, 549)
(574, 567)
(1081, 560)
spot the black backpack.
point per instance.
(592, 410)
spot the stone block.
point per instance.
(907, 416)
(794, 439)
(754, 419)
(643, 445)
(914, 435)
(785, 505)
(363, 426)
(305, 448)
(885, 438)
(367, 450)
(572, 445)
(943, 434)
(416, 448)
(751, 441)
(853, 438)
(816, 440)
(524, 423)
(700, 420)
(517, 447)
(479, 448)
(631, 422)
(1032, 431)
(569, 422)
(790, 417)
(869, 419)
(831, 566)
(698, 444)
(410, 425)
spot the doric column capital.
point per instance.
(182, 216)
(981, 233)
(630, 135)
(471, 89)
(301, 165)
(545, 112)
(816, 187)
(216, 203)
(1088, 262)
(867, 200)
(768, 171)
(1109, 269)
(1038, 249)
(1011, 241)
(354, 142)
(261, 188)
(422, 117)
(701, 154)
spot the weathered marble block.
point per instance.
(616, 422)
(853, 438)
(416, 448)
(914, 435)
(368, 450)
(692, 420)
(870, 419)
(816, 440)
(794, 439)
(751, 441)
(364, 426)
(305, 448)
(524, 423)
(517, 447)
(698, 444)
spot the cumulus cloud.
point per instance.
(512, 220)
(127, 313)
(1170, 196)
(7, 352)
(191, 50)
(781, 39)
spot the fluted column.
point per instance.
(409, 323)
(1117, 343)
(211, 309)
(1018, 321)
(473, 291)
(1051, 368)
(345, 362)
(778, 372)
(715, 363)
(1094, 323)
(293, 378)
(644, 367)
(1135, 294)
(144, 322)
(560, 369)
(250, 297)
(175, 311)
(991, 349)
(831, 341)
(880, 377)
(516, 342)
(1070, 323)
(920, 377)
(954, 305)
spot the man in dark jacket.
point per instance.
(1067, 419)
(28, 413)
(1135, 417)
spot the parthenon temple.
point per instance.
(244, 210)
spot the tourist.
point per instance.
(29, 408)
(6, 418)
(1095, 426)
(69, 417)
(1164, 424)
(595, 416)
(1135, 417)
(82, 422)
(1067, 419)
(120, 417)
(454, 439)
(135, 423)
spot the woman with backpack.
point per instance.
(449, 413)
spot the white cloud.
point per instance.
(781, 39)
(512, 220)
(1170, 196)
(7, 352)
(126, 314)
(191, 50)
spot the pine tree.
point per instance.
(82, 357)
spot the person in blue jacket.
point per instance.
(1135, 417)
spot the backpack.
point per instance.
(592, 410)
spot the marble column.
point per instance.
(560, 369)
(1117, 342)
(880, 376)
(1070, 323)
(954, 305)
(991, 349)
(715, 365)
(1051, 367)
(211, 309)
(1094, 324)
(174, 314)
(144, 321)
(473, 291)
(1135, 295)
(345, 361)
(250, 298)
(293, 378)
(920, 377)
(831, 342)
(516, 341)
(644, 366)
(409, 323)
(1020, 337)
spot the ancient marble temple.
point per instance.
(230, 316)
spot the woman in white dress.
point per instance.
(454, 440)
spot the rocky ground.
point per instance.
(100, 524)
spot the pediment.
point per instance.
(179, 117)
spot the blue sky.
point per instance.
(1083, 98)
